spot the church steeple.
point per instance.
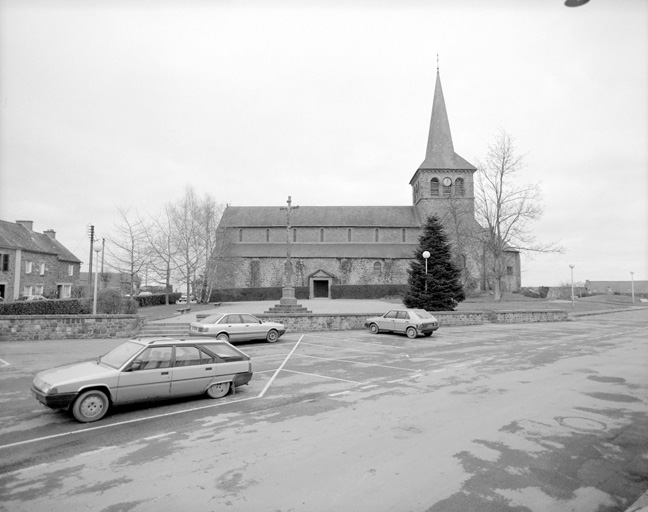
(440, 152)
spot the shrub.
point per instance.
(110, 302)
(46, 307)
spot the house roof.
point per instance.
(440, 153)
(323, 250)
(17, 236)
(321, 216)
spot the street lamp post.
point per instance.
(426, 255)
(632, 284)
(572, 284)
(97, 249)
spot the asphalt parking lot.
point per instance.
(524, 417)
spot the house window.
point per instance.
(66, 291)
(38, 289)
(27, 290)
(459, 187)
(321, 235)
(267, 235)
(28, 270)
(434, 187)
(70, 270)
(376, 235)
(349, 235)
(509, 271)
(240, 235)
(377, 268)
(5, 262)
(42, 269)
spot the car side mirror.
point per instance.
(135, 366)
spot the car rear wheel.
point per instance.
(411, 332)
(373, 328)
(223, 336)
(90, 406)
(272, 336)
(218, 390)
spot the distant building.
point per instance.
(350, 245)
(34, 263)
(114, 280)
(617, 287)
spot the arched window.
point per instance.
(447, 187)
(377, 268)
(294, 235)
(376, 235)
(349, 235)
(459, 187)
(267, 235)
(404, 235)
(240, 235)
(321, 235)
(434, 187)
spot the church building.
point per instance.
(352, 245)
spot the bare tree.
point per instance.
(506, 209)
(128, 247)
(159, 234)
(210, 213)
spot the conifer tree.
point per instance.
(443, 290)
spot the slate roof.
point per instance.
(17, 236)
(322, 216)
(440, 152)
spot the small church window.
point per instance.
(376, 235)
(240, 235)
(377, 268)
(447, 188)
(404, 235)
(459, 187)
(321, 235)
(434, 187)
(509, 271)
(267, 235)
(349, 235)
(294, 235)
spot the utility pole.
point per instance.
(90, 231)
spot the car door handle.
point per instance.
(165, 373)
(207, 369)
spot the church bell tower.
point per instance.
(444, 181)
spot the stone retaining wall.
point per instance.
(519, 317)
(56, 327)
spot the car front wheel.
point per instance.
(90, 406)
(373, 328)
(411, 332)
(272, 336)
(218, 390)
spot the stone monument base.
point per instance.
(288, 303)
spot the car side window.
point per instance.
(187, 356)
(249, 319)
(391, 314)
(401, 315)
(152, 359)
(233, 319)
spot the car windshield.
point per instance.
(421, 313)
(211, 319)
(121, 354)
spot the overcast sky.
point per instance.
(108, 104)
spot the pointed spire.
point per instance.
(440, 152)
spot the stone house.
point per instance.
(349, 245)
(34, 263)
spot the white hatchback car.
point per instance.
(143, 369)
(411, 322)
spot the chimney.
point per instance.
(51, 233)
(29, 224)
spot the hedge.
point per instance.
(361, 291)
(47, 307)
(157, 299)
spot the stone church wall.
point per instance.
(269, 272)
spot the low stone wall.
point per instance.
(55, 327)
(519, 317)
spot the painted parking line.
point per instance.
(361, 363)
(323, 376)
(344, 348)
(4, 363)
(340, 393)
